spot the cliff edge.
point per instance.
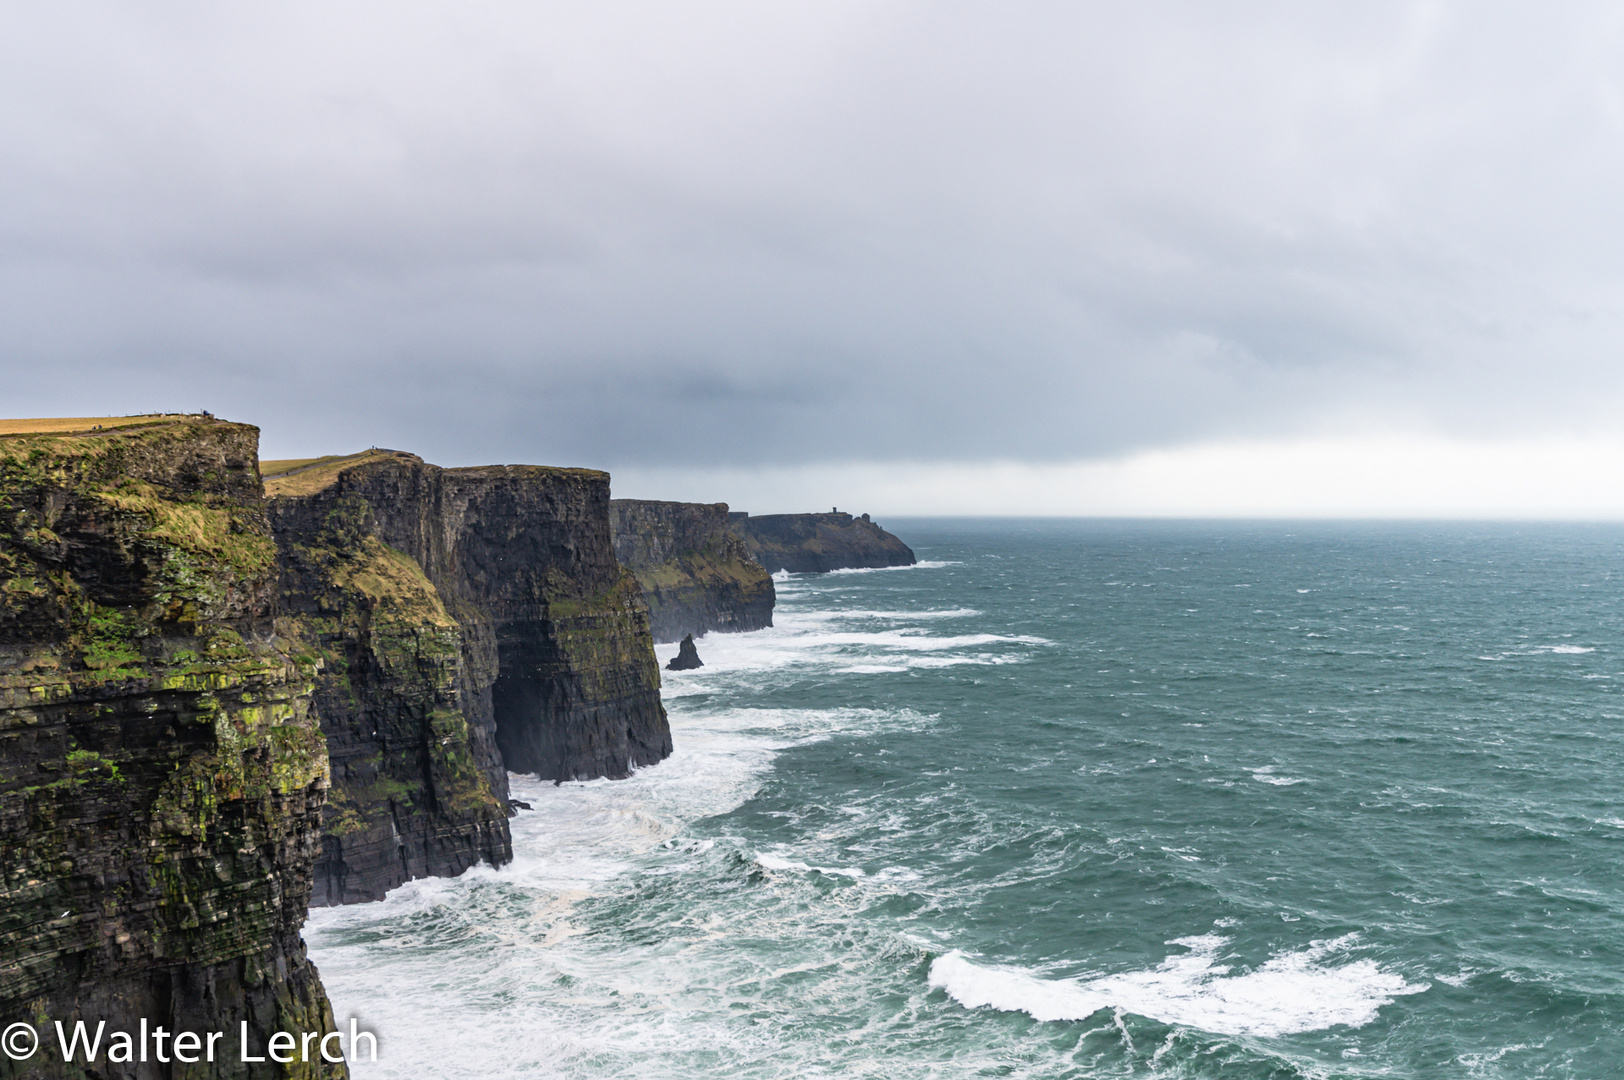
(817, 543)
(162, 774)
(696, 573)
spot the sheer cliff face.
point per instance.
(558, 671)
(695, 572)
(418, 790)
(162, 774)
(817, 543)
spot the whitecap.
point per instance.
(1266, 775)
(1292, 992)
(803, 639)
(860, 613)
(927, 564)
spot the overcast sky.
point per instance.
(750, 240)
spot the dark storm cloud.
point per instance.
(755, 234)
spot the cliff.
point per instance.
(816, 543)
(418, 788)
(697, 575)
(162, 774)
(511, 639)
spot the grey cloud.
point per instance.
(739, 233)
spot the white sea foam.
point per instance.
(511, 961)
(1266, 775)
(580, 834)
(1543, 650)
(857, 613)
(1292, 992)
(846, 641)
(927, 564)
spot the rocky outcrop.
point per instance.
(687, 658)
(816, 543)
(696, 573)
(513, 640)
(162, 774)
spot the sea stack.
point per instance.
(687, 657)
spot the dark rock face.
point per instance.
(418, 790)
(697, 575)
(162, 774)
(687, 657)
(816, 543)
(524, 643)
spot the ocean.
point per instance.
(1073, 799)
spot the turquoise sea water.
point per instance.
(1074, 799)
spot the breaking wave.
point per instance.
(1292, 992)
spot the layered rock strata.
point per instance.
(817, 543)
(515, 640)
(162, 773)
(404, 699)
(696, 573)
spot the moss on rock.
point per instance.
(161, 771)
(696, 574)
(409, 796)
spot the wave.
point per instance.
(1266, 775)
(950, 613)
(580, 834)
(927, 564)
(909, 663)
(1292, 992)
(1542, 650)
(821, 639)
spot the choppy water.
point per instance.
(1074, 800)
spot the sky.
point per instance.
(1150, 258)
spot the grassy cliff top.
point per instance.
(565, 471)
(66, 425)
(306, 476)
